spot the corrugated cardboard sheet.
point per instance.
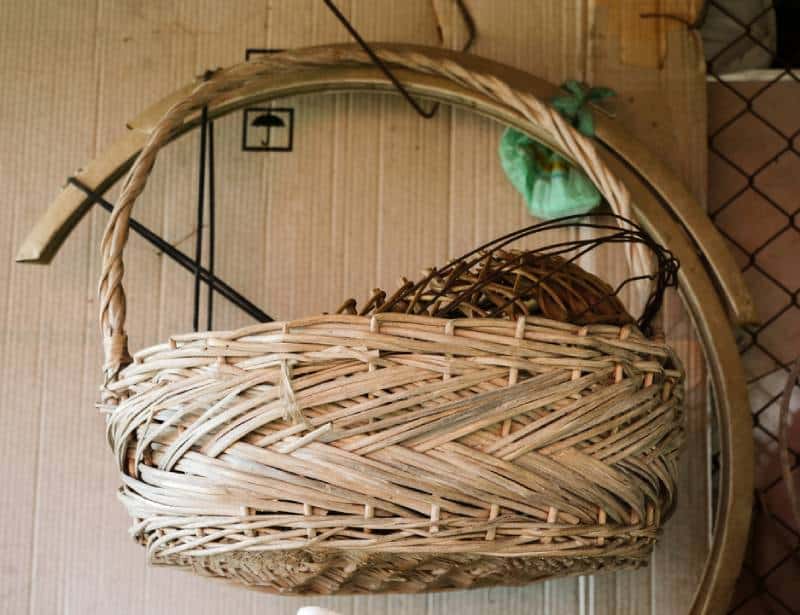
(370, 192)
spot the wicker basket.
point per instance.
(390, 452)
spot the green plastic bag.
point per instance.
(550, 185)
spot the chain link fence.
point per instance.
(753, 55)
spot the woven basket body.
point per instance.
(399, 453)
(395, 451)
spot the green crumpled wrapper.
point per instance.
(551, 186)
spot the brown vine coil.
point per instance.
(494, 282)
(506, 284)
(460, 443)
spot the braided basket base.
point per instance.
(399, 453)
(307, 572)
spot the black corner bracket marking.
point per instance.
(267, 129)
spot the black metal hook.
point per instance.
(180, 257)
(469, 22)
(427, 114)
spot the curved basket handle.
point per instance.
(230, 82)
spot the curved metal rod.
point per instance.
(663, 207)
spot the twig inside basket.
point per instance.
(494, 282)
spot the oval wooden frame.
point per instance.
(709, 279)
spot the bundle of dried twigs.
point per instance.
(504, 284)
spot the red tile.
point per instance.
(779, 181)
(724, 182)
(781, 258)
(768, 296)
(749, 143)
(782, 337)
(784, 584)
(777, 500)
(770, 543)
(757, 362)
(751, 220)
(779, 104)
(723, 105)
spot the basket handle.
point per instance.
(225, 84)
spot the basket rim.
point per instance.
(503, 328)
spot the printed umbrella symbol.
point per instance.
(268, 121)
